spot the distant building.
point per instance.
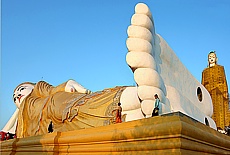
(214, 80)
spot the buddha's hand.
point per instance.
(73, 86)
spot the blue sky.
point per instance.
(57, 40)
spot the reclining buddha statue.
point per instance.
(156, 69)
(69, 106)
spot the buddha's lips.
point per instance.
(20, 98)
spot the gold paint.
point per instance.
(67, 111)
(214, 80)
(172, 134)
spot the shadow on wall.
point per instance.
(157, 52)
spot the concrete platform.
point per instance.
(173, 134)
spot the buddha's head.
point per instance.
(21, 92)
(212, 59)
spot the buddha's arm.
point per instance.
(225, 85)
(43, 88)
(11, 123)
(73, 86)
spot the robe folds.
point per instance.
(67, 111)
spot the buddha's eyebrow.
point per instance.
(19, 87)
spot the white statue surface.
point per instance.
(162, 72)
(156, 70)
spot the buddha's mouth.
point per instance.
(20, 98)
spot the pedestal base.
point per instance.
(173, 133)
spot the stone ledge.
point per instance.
(173, 133)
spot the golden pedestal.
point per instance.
(173, 133)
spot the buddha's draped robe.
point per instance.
(67, 111)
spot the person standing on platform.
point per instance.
(118, 113)
(156, 108)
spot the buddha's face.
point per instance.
(212, 59)
(21, 92)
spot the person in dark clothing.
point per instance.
(50, 128)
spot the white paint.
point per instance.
(137, 44)
(139, 32)
(133, 114)
(21, 92)
(135, 59)
(73, 86)
(170, 79)
(129, 99)
(12, 123)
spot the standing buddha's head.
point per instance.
(212, 59)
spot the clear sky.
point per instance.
(85, 40)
